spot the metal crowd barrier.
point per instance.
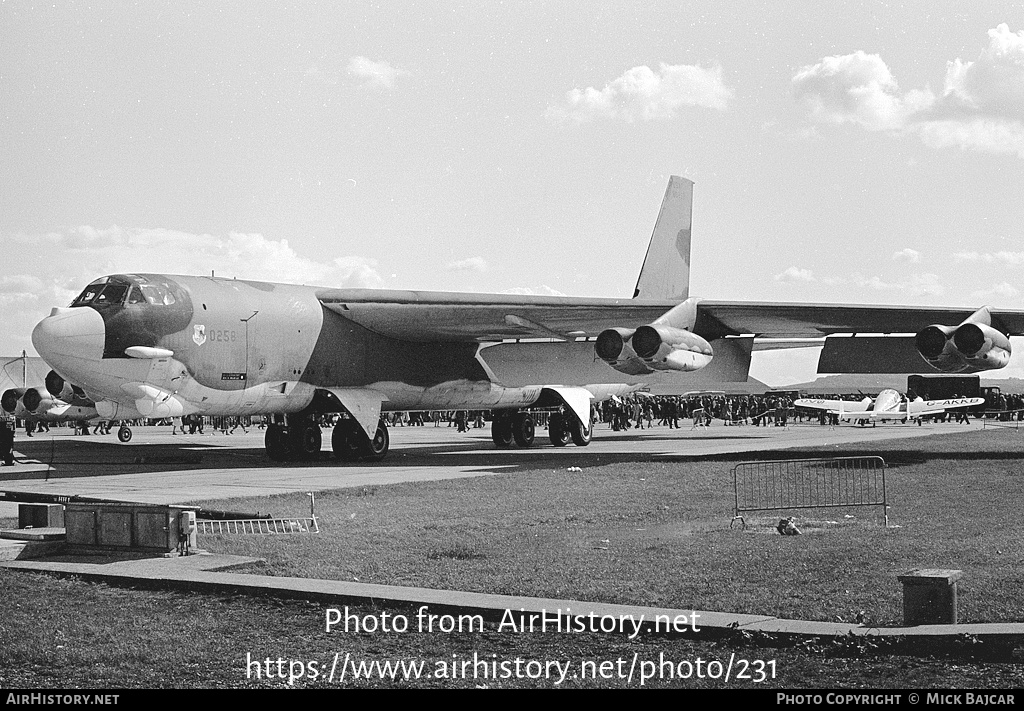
(259, 526)
(809, 483)
(994, 418)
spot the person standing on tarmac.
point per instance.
(7, 442)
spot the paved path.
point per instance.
(156, 467)
(204, 572)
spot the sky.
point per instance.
(846, 152)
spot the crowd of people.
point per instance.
(637, 411)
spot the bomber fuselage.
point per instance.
(172, 345)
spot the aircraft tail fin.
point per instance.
(666, 270)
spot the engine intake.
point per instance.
(32, 399)
(668, 348)
(614, 348)
(973, 345)
(613, 344)
(10, 399)
(653, 348)
(932, 341)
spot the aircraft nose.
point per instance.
(70, 333)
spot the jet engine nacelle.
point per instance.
(63, 390)
(973, 345)
(653, 348)
(613, 347)
(668, 348)
(10, 399)
(37, 401)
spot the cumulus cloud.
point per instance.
(908, 285)
(796, 274)
(1001, 292)
(1005, 258)
(912, 285)
(981, 106)
(989, 135)
(376, 74)
(20, 290)
(84, 253)
(799, 275)
(472, 264)
(993, 85)
(856, 88)
(20, 284)
(641, 94)
(907, 255)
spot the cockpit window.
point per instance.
(158, 294)
(90, 293)
(135, 296)
(112, 294)
(130, 288)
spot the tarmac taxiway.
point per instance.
(158, 467)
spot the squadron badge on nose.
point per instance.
(199, 334)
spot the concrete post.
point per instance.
(929, 596)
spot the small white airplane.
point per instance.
(889, 405)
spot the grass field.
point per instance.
(658, 534)
(650, 533)
(71, 634)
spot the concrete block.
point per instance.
(40, 516)
(929, 596)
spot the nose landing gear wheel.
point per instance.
(124, 434)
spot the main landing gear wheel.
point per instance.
(350, 443)
(377, 447)
(501, 431)
(580, 433)
(124, 434)
(523, 429)
(558, 430)
(306, 439)
(276, 442)
(345, 440)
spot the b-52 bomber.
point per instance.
(157, 345)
